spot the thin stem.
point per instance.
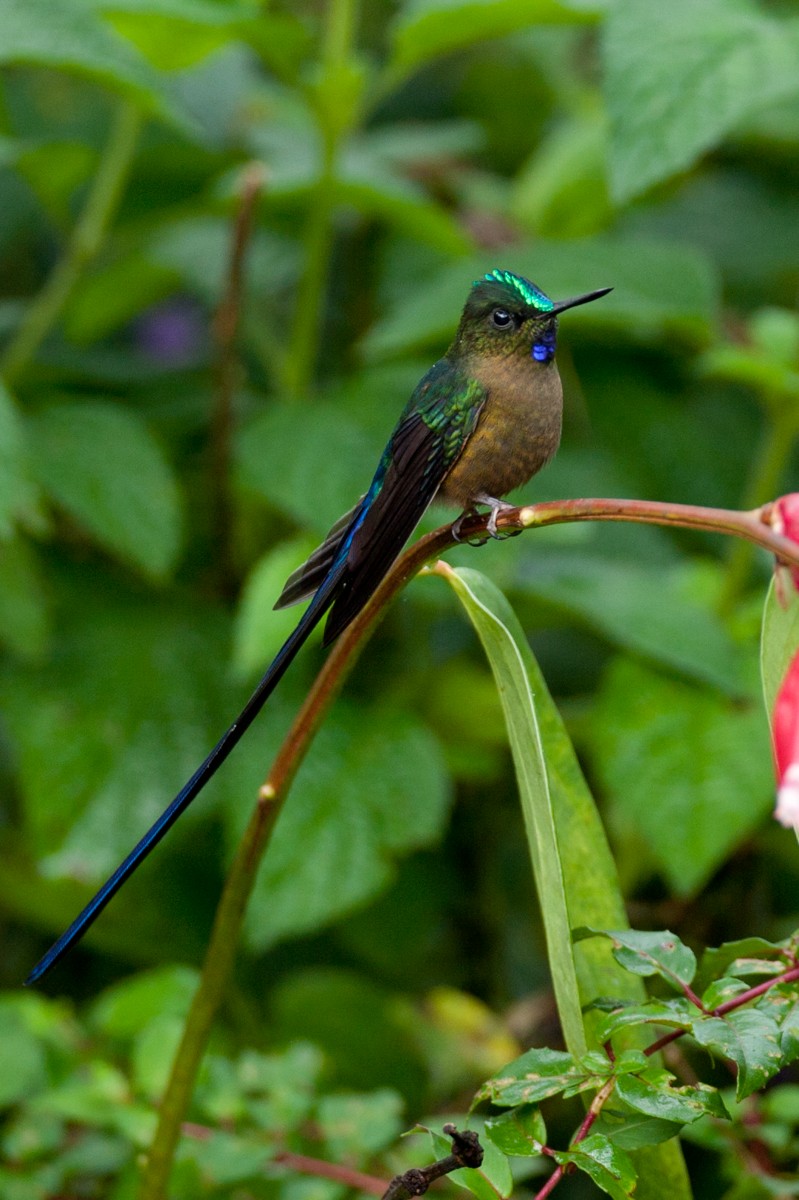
(605, 1092)
(225, 329)
(766, 472)
(318, 236)
(84, 243)
(220, 955)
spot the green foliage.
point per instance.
(144, 536)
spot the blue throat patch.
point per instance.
(543, 350)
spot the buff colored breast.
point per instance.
(517, 433)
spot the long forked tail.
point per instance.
(207, 769)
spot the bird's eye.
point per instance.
(501, 318)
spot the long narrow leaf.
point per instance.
(574, 870)
(503, 641)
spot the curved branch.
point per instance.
(220, 956)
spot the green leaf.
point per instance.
(426, 29)
(789, 1034)
(176, 34)
(314, 477)
(642, 608)
(656, 1098)
(679, 78)
(74, 37)
(684, 768)
(227, 1160)
(506, 648)
(520, 1131)
(676, 1014)
(23, 1065)
(260, 630)
(581, 838)
(122, 1009)
(101, 464)
(24, 611)
(658, 953)
(119, 739)
(746, 956)
(364, 796)
(490, 1180)
(606, 1164)
(750, 1039)
(779, 639)
(358, 1125)
(534, 1076)
(18, 494)
(632, 1131)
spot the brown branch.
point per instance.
(224, 327)
(303, 1164)
(466, 1152)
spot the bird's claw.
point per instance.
(458, 525)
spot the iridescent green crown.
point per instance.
(526, 290)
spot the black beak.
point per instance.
(562, 305)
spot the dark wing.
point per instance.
(303, 582)
(431, 434)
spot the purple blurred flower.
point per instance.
(173, 333)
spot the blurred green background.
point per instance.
(406, 148)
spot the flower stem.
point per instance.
(84, 243)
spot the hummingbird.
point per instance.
(482, 421)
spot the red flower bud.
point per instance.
(785, 732)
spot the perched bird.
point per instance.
(483, 420)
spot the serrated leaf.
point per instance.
(520, 1131)
(741, 957)
(674, 1014)
(679, 78)
(641, 608)
(657, 953)
(631, 1131)
(101, 464)
(533, 1077)
(314, 477)
(74, 37)
(606, 1164)
(658, 1099)
(789, 1034)
(364, 796)
(687, 770)
(721, 990)
(750, 1039)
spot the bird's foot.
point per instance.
(458, 525)
(496, 506)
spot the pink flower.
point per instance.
(785, 732)
(784, 519)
